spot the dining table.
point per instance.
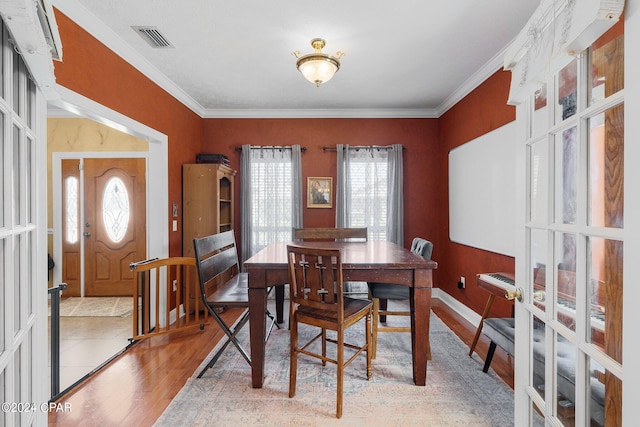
(371, 261)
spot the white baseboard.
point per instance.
(464, 311)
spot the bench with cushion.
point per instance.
(501, 332)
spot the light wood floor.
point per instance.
(88, 342)
(135, 388)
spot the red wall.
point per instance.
(482, 111)
(94, 71)
(418, 136)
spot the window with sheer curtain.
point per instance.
(369, 190)
(271, 196)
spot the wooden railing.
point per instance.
(161, 297)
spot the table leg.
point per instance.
(485, 313)
(421, 310)
(280, 303)
(257, 307)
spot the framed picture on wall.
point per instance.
(319, 192)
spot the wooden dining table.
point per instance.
(372, 261)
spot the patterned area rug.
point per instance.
(96, 307)
(457, 393)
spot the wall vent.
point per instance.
(153, 36)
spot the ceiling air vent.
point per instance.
(153, 36)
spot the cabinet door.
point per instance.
(207, 202)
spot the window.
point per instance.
(370, 191)
(115, 209)
(271, 196)
(71, 208)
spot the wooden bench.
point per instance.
(222, 286)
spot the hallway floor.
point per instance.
(87, 342)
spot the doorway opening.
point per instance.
(89, 339)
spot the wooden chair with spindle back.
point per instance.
(317, 299)
(358, 234)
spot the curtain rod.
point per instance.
(378, 147)
(287, 147)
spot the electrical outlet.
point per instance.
(461, 283)
(175, 285)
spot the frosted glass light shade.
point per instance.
(318, 68)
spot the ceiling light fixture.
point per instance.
(318, 67)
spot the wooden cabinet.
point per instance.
(207, 202)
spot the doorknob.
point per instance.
(512, 294)
(86, 234)
(540, 296)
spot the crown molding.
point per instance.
(323, 113)
(91, 24)
(476, 79)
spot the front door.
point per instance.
(114, 224)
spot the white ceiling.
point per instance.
(405, 58)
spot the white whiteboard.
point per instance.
(482, 191)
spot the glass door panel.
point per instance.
(566, 176)
(605, 168)
(565, 300)
(538, 181)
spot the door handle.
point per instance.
(86, 234)
(512, 294)
(540, 296)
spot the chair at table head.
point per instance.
(317, 299)
(330, 234)
(381, 292)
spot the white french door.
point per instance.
(23, 336)
(570, 257)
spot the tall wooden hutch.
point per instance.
(207, 202)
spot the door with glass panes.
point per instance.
(103, 225)
(570, 263)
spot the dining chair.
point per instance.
(222, 286)
(328, 233)
(380, 293)
(358, 234)
(317, 299)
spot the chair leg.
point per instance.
(367, 334)
(279, 303)
(324, 346)
(340, 373)
(215, 358)
(487, 362)
(376, 309)
(383, 307)
(293, 356)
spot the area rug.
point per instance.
(96, 307)
(457, 393)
